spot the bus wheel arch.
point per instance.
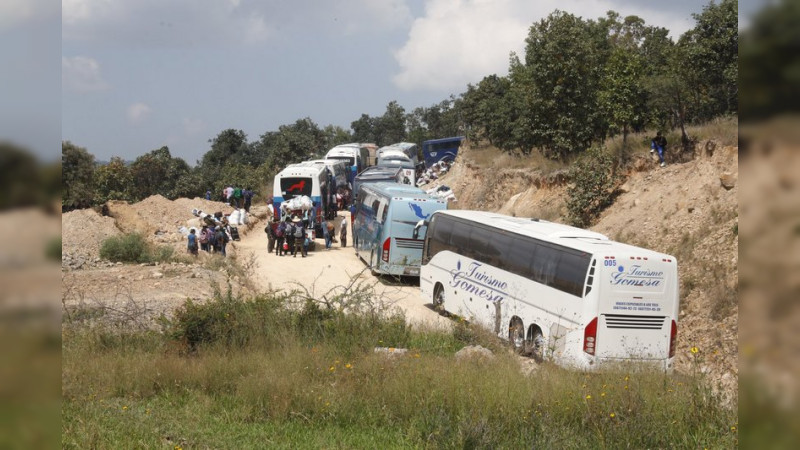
(535, 343)
(438, 297)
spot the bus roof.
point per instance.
(400, 190)
(573, 237)
(436, 141)
(306, 168)
(378, 172)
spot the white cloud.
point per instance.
(138, 112)
(81, 74)
(457, 42)
(20, 12)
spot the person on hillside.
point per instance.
(247, 194)
(237, 197)
(299, 234)
(343, 234)
(222, 240)
(203, 238)
(192, 244)
(208, 194)
(659, 144)
(228, 194)
(270, 230)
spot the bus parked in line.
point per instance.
(307, 179)
(411, 150)
(338, 185)
(376, 174)
(554, 291)
(396, 158)
(355, 156)
(383, 229)
(445, 149)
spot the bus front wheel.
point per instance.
(438, 298)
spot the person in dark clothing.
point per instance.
(659, 144)
(289, 235)
(299, 234)
(247, 194)
(192, 245)
(280, 237)
(270, 230)
(343, 234)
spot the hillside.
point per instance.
(689, 210)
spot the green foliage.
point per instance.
(770, 78)
(594, 186)
(77, 175)
(258, 368)
(133, 248)
(156, 172)
(113, 181)
(20, 177)
(53, 249)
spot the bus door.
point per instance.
(637, 305)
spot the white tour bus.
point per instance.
(555, 291)
(300, 179)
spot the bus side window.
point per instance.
(545, 262)
(383, 211)
(571, 273)
(440, 238)
(459, 239)
(484, 246)
(518, 255)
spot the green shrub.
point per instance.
(595, 186)
(133, 248)
(53, 249)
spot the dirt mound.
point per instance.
(83, 231)
(161, 219)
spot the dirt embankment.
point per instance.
(689, 210)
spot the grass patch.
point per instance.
(267, 372)
(133, 248)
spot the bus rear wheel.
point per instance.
(516, 335)
(535, 344)
(438, 298)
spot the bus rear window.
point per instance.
(295, 186)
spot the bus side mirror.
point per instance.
(420, 224)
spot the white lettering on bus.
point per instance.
(637, 276)
(479, 283)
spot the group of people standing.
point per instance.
(236, 197)
(288, 236)
(212, 238)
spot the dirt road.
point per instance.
(323, 270)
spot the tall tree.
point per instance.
(364, 129)
(391, 127)
(77, 175)
(113, 181)
(157, 172)
(564, 57)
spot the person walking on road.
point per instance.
(270, 230)
(299, 234)
(343, 233)
(659, 144)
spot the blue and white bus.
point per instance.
(555, 291)
(396, 158)
(383, 229)
(445, 149)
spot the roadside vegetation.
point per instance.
(289, 371)
(134, 248)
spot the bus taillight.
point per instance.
(387, 244)
(590, 337)
(673, 338)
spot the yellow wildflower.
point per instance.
(694, 350)
(612, 415)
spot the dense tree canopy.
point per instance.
(578, 82)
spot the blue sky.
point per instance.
(139, 74)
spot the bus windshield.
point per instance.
(292, 187)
